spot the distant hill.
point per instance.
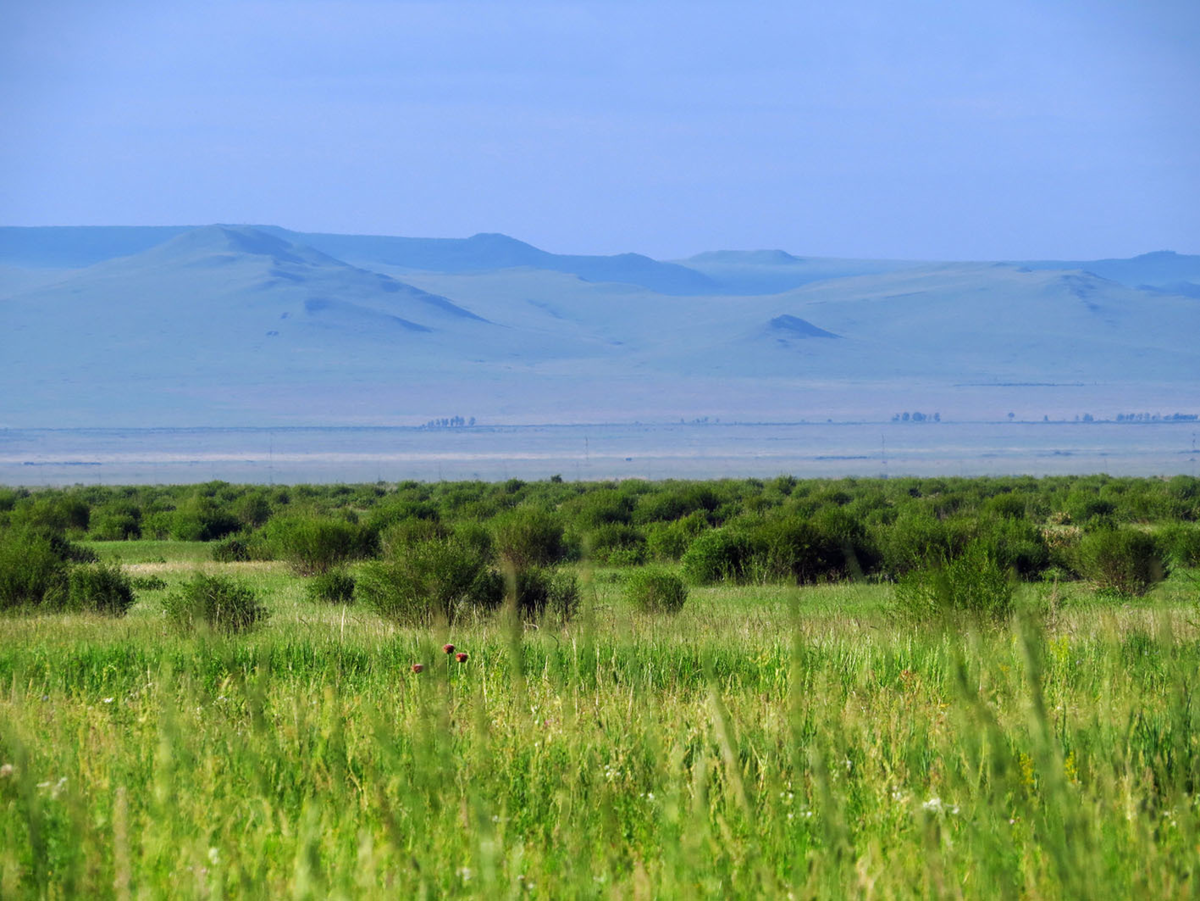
(1163, 269)
(485, 252)
(77, 247)
(773, 271)
(73, 247)
(221, 325)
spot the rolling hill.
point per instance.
(221, 325)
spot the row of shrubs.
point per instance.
(412, 594)
(627, 522)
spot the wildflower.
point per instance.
(214, 856)
(6, 771)
(108, 700)
(464, 873)
(933, 805)
(461, 657)
(418, 667)
(448, 648)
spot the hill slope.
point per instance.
(220, 325)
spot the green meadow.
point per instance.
(775, 737)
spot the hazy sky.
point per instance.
(970, 130)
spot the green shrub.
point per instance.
(828, 546)
(148, 583)
(676, 503)
(670, 540)
(407, 532)
(1124, 562)
(242, 549)
(115, 526)
(100, 588)
(1181, 541)
(333, 587)
(918, 540)
(544, 591)
(972, 583)
(719, 554)
(616, 544)
(656, 590)
(231, 550)
(252, 509)
(1018, 545)
(437, 579)
(314, 544)
(201, 519)
(399, 509)
(218, 602)
(33, 570)
(527, 536)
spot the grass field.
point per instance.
(765, 742)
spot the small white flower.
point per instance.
(933, 805)
(6, 771)
(108, 700)
(214, 856)
(464, 874)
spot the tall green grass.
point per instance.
(763, 742)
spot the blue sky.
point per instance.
(935, 130)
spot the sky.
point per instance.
(914, 129)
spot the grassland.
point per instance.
(767, 741)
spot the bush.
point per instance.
(231, 550)
(200, 519)
(919, 540)
(218, 602)
(716, 555)
(442, 578)
(315, 545)
(655, 590)
(973, 583)
(115, 527)
(829, 546)
(148, 583)
(333, 587)
(100, 588)
(1182, 543)
(542, 591)
(1124, 562)
(527, 536)
(242, 550)
(1019, 546)
(616, 544)
(33, 570)
(670, 540)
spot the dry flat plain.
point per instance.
(766, 741)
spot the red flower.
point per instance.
(417, 667)
(448, 648)
(460, 657)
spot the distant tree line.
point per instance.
(1156, 417)
(449, 422)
